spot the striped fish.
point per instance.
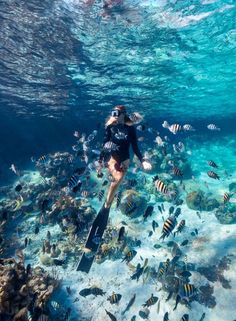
(213, 127)
(101, 195)
(118, 199)
(166, 265)
(213, 175)
(161, 187)
(226, 197)
(187, 290)
(185, 317)
(175, 128)
(177, 171)
(136, 118)
(56, 306)
(168, 227)
(130, 207)
(73, 181)
(42, 159)
(211, 163)
(161, 272)
(114, 298)
(84, 194)
(151, 301)
(188, 128)
(180, 227)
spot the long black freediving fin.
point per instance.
(94, 240)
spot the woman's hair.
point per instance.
(112, 120)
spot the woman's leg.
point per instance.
(118, 177)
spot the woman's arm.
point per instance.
(134, 143)
(107, 137)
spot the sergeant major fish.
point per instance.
(213, 175)
(188, 127)
(130, 207)
(114, 298)
(174, 128)
(168, 227)
(226, 197)
(118, 199)
(74, 183)
(151, 301)
(101, 195)
(160, 186)
(213, 127)
(185, 292)
(177, 171)
(212, 163)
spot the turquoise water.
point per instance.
(64, 64)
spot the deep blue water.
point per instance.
(64, 64)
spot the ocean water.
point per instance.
(64, 65)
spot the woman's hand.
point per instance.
(146, 166)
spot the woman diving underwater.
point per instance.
(119, 135)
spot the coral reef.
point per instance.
(133, 204)
(226, 214)
(23, 289)
(197, 200)
(205, 296)
(215, 272)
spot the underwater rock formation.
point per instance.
(23, 289)
(226, 214)
(133, 204)
(214, 273)
(205, 296)
(195, 200)
(198, 201)
(232, 187)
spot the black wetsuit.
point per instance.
(123, 136)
